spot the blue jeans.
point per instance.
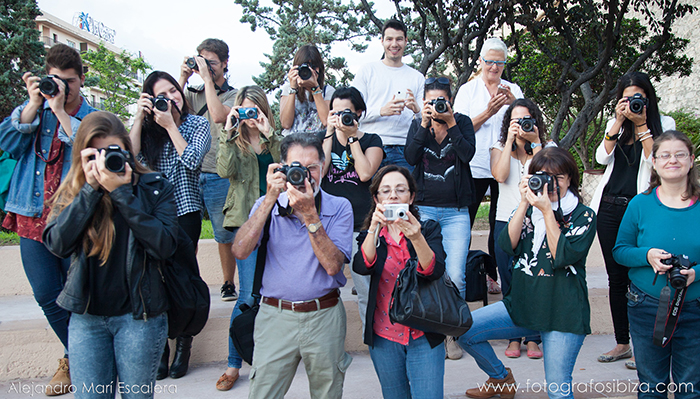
(106, 348)
(213, 191)
(395, 156)
(47, 275)
(456, 234)
(655, 364)
(409, 371)
(493, 322)
(246, 274)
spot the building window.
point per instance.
(70, 43)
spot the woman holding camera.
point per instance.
(440, 145)
(651, 250)
(626, 154)
(409, 363)
(305, 96)
(246, 148)
(118, 323)
(522, 136)
(549, 234)
(168, 139)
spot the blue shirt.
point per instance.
(650, 224)
(292, 270)
(26, 193)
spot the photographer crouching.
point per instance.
(310, 235)
(658, 241)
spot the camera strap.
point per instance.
(667, 317)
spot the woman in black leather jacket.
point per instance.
(118, 227)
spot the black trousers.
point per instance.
(609, 218)
(480, 186)
(192, 224)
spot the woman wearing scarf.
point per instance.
(549, 236)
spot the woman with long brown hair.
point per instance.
(118, 221)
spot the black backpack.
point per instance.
(188, 294)
(479, 264)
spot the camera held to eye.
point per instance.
(192, 63)
(537, 181)
(440, 105)
(637, 103)
(49, 86)
(396, 211)
(304, 71)
(160, 102)
(116, 158)
(527, 124)
(677, 263)
(347, 117)
(247, 113)
(295, 173)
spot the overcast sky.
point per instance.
(166, 31)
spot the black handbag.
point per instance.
(433, 306)
(479, 265)
(243, 326)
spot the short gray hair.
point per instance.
(496, 44)
(305, 140)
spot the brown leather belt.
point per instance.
(326, 301)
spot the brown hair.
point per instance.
(216, 46)
(692, 186)
(257, 95)
(559, 162)
(62, 56)
(377, 181)
(99, 236)
(309, 54)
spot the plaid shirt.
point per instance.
(183, 170)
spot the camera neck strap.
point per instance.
(667, 317)
(285, 211)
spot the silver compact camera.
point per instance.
(396, 211)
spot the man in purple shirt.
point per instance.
(301, 315)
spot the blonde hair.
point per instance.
(99, 235)
(257, 95)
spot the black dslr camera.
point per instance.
(49, 86)
(115, 158)
(527, 124)
(192, 63)
(440, 104)
(304, 71)
(295, 173)
(347, 117)
(160, 102)
(677, 263)
(637, 103)
(537, 181)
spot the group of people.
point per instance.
(319, 188)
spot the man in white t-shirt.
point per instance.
(485, 100)
(393, 92)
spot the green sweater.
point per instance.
(551, 294)
(650, 224)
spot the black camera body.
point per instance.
(160, 102)
(347, 117)
(295, 173)
(527, 124)
(440, 104)
(677, 263)
(192, 63)
(637, 103)
(537, 181)
(116, 158)
(49, 86)
(304, 71)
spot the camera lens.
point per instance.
(637, 103)
(114, 162)
(676, 279)
(48, 86)
(296, 176)
(536, 183)
(440, 105)
(305, 71)
(527, 124)
(161, 103)
(251, 113)
(192, 64)
(401, 214)
(347, 118)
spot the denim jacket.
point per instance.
(242, 170)
(26, 194)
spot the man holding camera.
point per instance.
(301, 315)
(213, 100)
(39, 135)
(392, 91)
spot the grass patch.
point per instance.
(207, 231)
(8, 238)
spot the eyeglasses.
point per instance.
(442, 81)
(314, 168)
(681, 156)
(492, 62)
(386, 191)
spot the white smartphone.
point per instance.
(400, 95)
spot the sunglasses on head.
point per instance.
(442, 81)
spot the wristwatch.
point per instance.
(352, 139)
(535, 145)
(613, 137)
(314, 227)
(293, 90)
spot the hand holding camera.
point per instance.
(32, 83)
(109, 167)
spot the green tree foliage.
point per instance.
(20, 51)
(115, 75)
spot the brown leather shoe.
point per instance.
(226, 382)
(60, 383)
(504, 387)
